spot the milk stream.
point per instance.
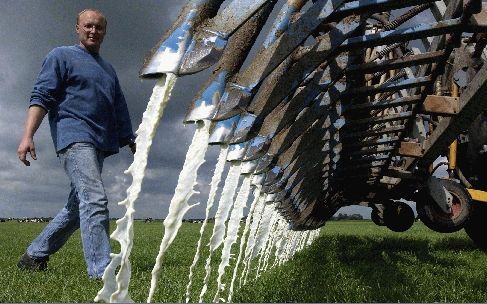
(265, 249)
(263, 239)
(233, 226)
(242, 242)
(257, 242)
(178, 207)
(259, 210)
(310, 238)
(313, 235)
(287, 249)
(281, 236)
(224, 206)
(263, 232)
(303, 240)
(290, 246)
(266, 253)
(271, 244)
(300, 242)
(297, 244)
(215, 182)
(115, 288)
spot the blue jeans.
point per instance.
(86, 209)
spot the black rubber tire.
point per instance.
(476, 227)
(437, 220)
(376, 218)
(398, 216)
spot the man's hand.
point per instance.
(26, 146)
(35, 114)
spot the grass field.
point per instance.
(351, 261)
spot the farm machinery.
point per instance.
(331, 103)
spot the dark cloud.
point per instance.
(29, 31)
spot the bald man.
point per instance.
(89, 121)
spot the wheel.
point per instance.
(398, 216)
(476, 226)
(435, 218)
(376, 218)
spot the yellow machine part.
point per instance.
(478, 195)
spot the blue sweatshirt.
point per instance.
(84, 100)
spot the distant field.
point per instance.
(352, 261)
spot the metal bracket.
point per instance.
(440, 195)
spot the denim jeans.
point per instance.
(86, 209)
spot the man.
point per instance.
(89, 121)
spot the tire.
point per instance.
(376, 218)
(435, 218)
(476, 227)
(398, 217)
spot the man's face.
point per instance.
(91, 30)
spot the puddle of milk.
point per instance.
(233, 226)
(215, 182)
(178, 207)
(224, 206)
(242, 241)
(115, 288)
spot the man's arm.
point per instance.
(35, 114)
(126, 135)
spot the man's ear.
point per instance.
(76, 28)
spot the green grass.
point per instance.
(351, 261)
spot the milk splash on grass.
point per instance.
(115, 288)
(195, 157)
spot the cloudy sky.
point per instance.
(30, 29)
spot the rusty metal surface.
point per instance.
(471, 103)
(340, 105)
(440, 105)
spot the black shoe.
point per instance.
(27, 262)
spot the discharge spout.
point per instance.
(168, 54)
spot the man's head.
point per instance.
(91, 27)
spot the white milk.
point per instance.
(263, 239)
(115, 289)
(233, 227)
(224, 206)
(242, 241)
(215, 182)
(254, 227)
(271, 243)
(195, 157)
(282, 233)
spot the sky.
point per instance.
(30, 29)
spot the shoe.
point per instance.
(27, 262)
